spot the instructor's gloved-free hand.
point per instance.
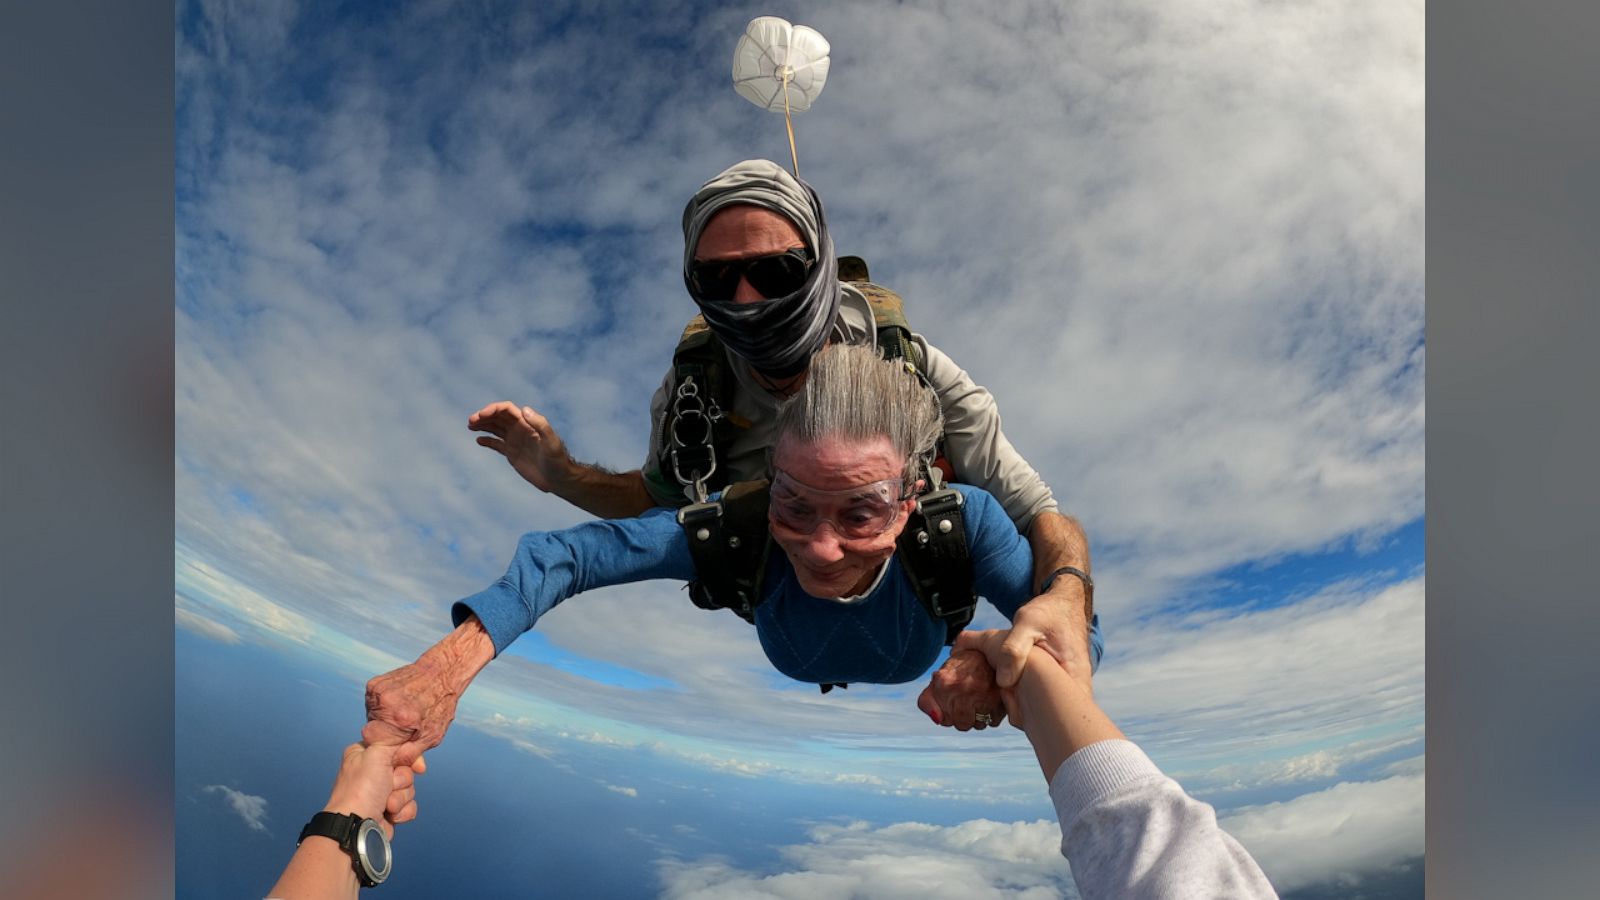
(526, 440)
(1056, 622)
(371, 785)
(960, 690)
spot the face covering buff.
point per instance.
(779, 335)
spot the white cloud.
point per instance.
(519, 733)
(624, 791)
(1344, 831)
(978, 858)
(1416, 765)
(1349, 828)
(252, 810)
(195, 622)
(532, 749)
(1278, 686)
(205, 590)
(1319, 765)
(594, 737)
(858, 778)
(242, 601)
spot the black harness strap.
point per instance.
(933, 548)
(729, 542)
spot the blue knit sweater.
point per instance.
(887, 638)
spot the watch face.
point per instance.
(372, 849)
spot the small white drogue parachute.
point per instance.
(778, 66)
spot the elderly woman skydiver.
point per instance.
(837, 606)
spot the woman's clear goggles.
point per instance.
(863, 511)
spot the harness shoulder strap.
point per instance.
(729, 542)
(894, 331)
(888, 312)
(698, 353)
(933, 548)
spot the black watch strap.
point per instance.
(344, 828)
(339, 826)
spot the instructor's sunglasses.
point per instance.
(778, 275)
(864, 511)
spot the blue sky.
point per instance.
(1182, 244)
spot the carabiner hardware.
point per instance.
(693, 418)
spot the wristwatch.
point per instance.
(359, 837)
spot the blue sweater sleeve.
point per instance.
(551, 566)
(1002, 563)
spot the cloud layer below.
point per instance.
(1315, 839)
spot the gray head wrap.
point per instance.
(779, 335)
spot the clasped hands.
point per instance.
(973, 689)
(965, 693)
(408, 711)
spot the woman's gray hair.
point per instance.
(852, 392)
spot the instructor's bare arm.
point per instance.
(1058, 540)
(1057, 620)
(534, 449)
(605, 494)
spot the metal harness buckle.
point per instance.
(691, 431)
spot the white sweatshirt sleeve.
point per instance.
(1129, 831)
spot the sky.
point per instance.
(1182, 244)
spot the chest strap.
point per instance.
(729, 543)
(933, 549)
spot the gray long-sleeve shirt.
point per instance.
(1130, 832)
